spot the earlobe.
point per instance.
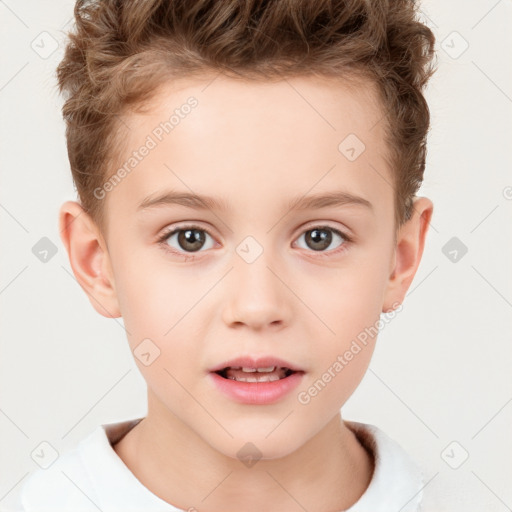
(408, 253)
(89, 258)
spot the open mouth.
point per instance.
(256, 381)
(244, 374)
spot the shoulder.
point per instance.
(63, 486)
(397, 482)
(88, 478)
(66, 484)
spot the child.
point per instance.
(285, 142)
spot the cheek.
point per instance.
(348, 298)
(161, 304)
(153, 297)
(158, 313)
(342, 361)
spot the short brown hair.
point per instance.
(120, 52)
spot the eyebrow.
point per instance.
(203, 202)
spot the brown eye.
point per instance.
(188, 239)
(191, 239)
(321, 237)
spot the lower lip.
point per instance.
(257, 393)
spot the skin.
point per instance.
(256, 146)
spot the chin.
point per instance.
(255, 447)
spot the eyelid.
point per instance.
(171, 230)
(343, 230)
(347, 241)
(183, 225)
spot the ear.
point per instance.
(89, 258)
(408, 252)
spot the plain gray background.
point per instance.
(439, 381)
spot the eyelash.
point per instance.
(191, 257)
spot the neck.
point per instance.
(329, 472)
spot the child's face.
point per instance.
(262, 281)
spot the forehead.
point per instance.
(243, 141)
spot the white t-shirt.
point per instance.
(92, 477)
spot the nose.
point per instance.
(258, 296)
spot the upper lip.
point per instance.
(256, 362)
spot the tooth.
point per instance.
(262, 370)
(267, 369)
(259, 378)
